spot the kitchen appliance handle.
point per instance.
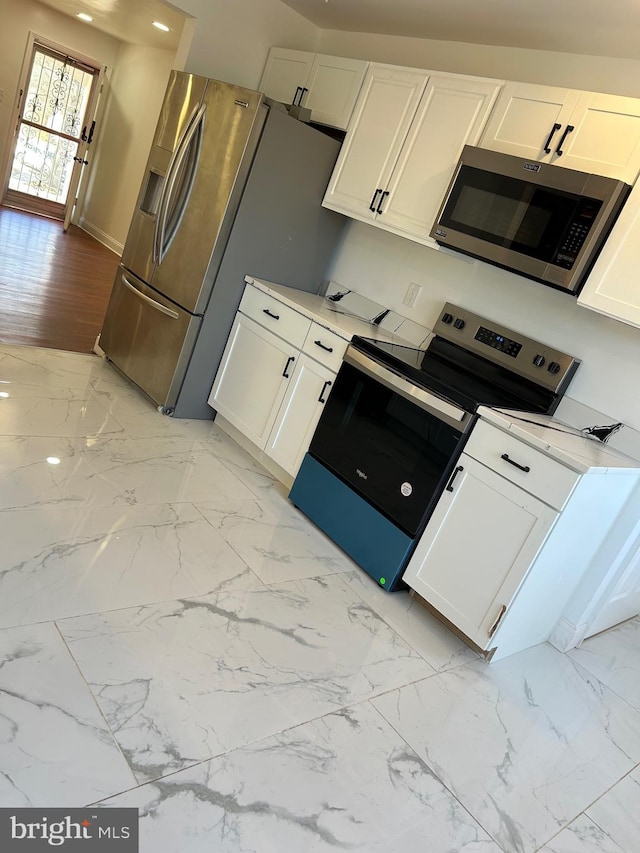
(163, 191)
(422, 398)
(547, 146)
(152, 302)
(195, 125)
(568, 129)
(508, 459)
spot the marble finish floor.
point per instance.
(176, 637)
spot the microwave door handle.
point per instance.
(547, 146)
(567, 131)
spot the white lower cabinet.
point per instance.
(269, 388)
(299, 413)
(517, 535)
(479, 544)
(252, 378)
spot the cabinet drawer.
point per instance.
(546, 478)
(325, 346)
(275, 316)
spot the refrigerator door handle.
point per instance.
(159, 249)
(152, 302)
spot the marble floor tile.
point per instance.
(618, 812)
(263, 484)
(344, 782)
(54, 368)
(187, 680)
(275, 539)
(435, 643)
(614, 658)
(140, 418)
(43, 411)
(50, 471)
(583, 836)
(55, 747)
(525, 744)
(56, 563)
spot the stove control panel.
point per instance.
(543, 364)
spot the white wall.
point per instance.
(133, 101)
(597, 73)
(232, 38)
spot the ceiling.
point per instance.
(128, 20)
(593, 27)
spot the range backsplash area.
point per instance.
(380, 266)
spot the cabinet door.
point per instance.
(285, 73)
(605, 138)
(612, 287)
(299, 413)
(377, 130)
(252, 379)
(478, 546)
(529, 120)
(333, 86)
(451, 114)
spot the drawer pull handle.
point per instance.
(269, 314)
(524, 468)
(323, 346)
(290, 361)
(494, 627)
(322, 398)
(453, 476)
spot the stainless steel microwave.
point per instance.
(544, 222)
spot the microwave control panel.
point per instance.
(577, 233)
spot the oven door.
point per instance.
(390, 441)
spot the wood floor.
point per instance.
(54, 287)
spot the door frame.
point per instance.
(32, 38)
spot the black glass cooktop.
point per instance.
(459, 376)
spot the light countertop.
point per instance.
(560, 441)
(326, 313)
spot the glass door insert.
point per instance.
(52, 132)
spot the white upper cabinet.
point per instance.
(450, 115)
(327, 85)
(402, 145)
(586, 131)
(379, 125)
(612, 287)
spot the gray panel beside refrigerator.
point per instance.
(269, 223)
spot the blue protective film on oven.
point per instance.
(377, 545)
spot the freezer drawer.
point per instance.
(148, 337)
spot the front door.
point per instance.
(53, 131)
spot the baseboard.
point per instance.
(100, 236)
(567, 635)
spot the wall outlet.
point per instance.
(411, 296)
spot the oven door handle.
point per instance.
(425, 400)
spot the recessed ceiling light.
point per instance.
(163, 27)
(84, 17)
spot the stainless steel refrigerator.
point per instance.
(233, 187)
